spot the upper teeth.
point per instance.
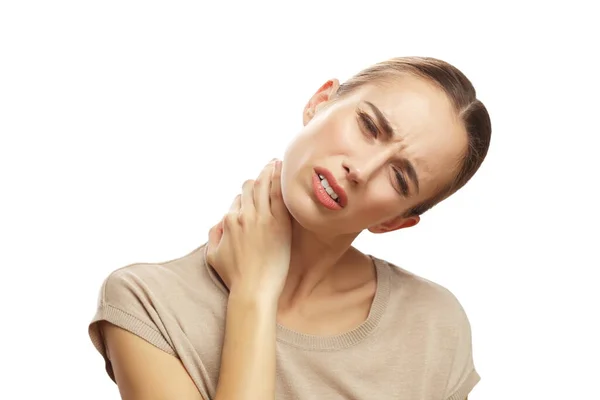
(328, 188)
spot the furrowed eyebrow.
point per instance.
(382, 121)
(389, 132)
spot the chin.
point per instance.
(307, 213)
(303, 210)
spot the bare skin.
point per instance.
(312, 280)
(339, 304)
(143, 371)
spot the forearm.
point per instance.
(248, 356)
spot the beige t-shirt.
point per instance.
(415, 343)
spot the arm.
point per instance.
(250, 250)
(257, 237)
(248, 358)
(144, 372)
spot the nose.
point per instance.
(360, 172)
(354, 174)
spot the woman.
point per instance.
(278, 304)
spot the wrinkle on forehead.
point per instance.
(430, 134)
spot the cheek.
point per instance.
(298, 152)
(338, 132)
(381, 201)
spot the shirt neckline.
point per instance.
(339, 341)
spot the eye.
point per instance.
(401, 181)
(366, 122)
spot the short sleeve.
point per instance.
(463, 376)
(126, 300)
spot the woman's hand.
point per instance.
(250, 247)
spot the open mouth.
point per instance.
(329, 193)
(334, 196)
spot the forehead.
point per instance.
(429, 130)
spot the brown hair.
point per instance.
(461, 93)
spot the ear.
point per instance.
(319, 99)
(395, 224)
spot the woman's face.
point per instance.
(383, 171)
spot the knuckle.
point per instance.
(244, 219)
(230, 218)
(276, 195)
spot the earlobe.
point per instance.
(322, 96)
(395, 224)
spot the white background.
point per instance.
(127, 128)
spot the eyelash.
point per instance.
(367, 122)
(401, 181)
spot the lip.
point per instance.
(343, 197)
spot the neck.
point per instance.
(313, 264)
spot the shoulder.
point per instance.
(159, 270)
(425, 295)
(153, 300)
(158, 281)
(151, 317)
(437, 322)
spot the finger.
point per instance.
(215, 234)
(214, 238)
(278, 208)
(231, 219)
(262, 187)
(247, 205)
(236, 204)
